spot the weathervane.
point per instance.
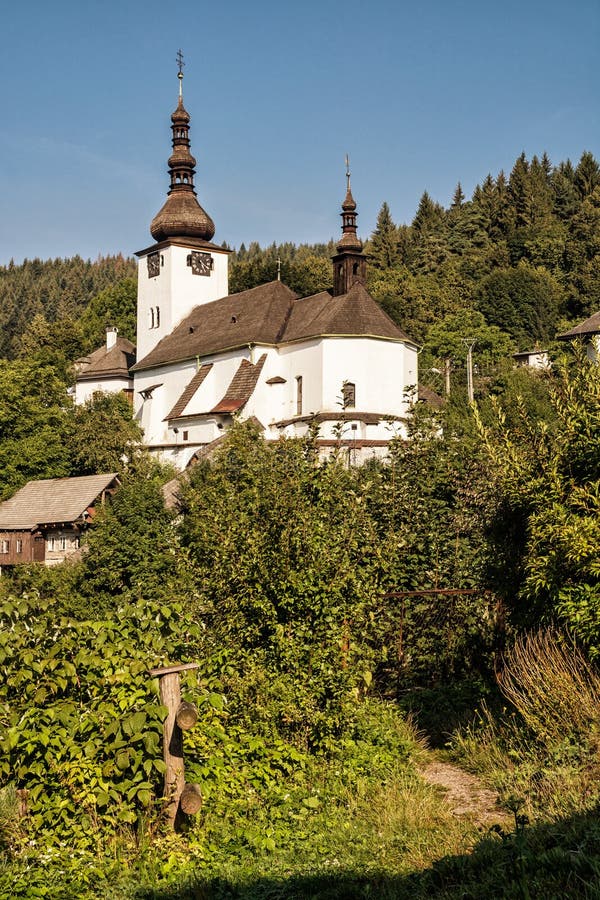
(181, 64)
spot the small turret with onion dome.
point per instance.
(350, 263)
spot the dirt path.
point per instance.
(465, 794)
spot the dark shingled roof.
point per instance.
(102, 362)
(271, 314)
(52, 500)
(250, 317)
(355, 313)
(590, 326)
(427, 395)
(189, 392)
(241, 387)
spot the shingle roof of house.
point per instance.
(189, 391)
(241, 387)
(102, 362)
(271, 314)
(250, 317)
(427, 395)
(590, 326)
(355, 313)
(52, 500)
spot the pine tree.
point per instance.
(458, 198)
(587, 175)
(519, 188)
(383, 247)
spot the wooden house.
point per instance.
(43, 522)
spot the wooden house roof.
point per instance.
(250, 317)
(271, 314)
(52, 500)
(355, 314)
(103, 363)
(590, 326)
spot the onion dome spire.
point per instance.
(349, 263)
(181, 215)
(349, 239)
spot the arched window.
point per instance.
(299, 395)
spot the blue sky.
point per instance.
(420, 95)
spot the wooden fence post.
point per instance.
(179, 715)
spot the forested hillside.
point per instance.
(55, 292)
(523, 252)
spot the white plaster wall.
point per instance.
(173, 380)
(85, 389)
(176, 291)
(306, 360)
(379, 369)
(593, 348)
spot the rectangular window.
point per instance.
(62, 543)
(185, 435)
(51, 544)
(4, 546)
(299, 395)
(19, 546)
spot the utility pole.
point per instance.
(469, 344)
(447, 365)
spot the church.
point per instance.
(333, 360)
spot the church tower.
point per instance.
(183, 269)
(349, 263)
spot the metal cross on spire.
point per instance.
(347, 171)
(180, 64)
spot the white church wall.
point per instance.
(377, 368)
(84, 390)
(302, 360)
(174, 293)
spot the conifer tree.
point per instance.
(520, 191)
(458, 198)
(587, 175)
(383, 247)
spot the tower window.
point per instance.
(355, 269)
(151, 317)
(157, 317)
(299, 395)
(349, 395)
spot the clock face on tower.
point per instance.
(201, 263)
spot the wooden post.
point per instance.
(170, 696)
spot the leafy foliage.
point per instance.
(80, 716)
(547, 515)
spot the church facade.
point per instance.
(204, 357)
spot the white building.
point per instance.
(204, 356)
(589, 333)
